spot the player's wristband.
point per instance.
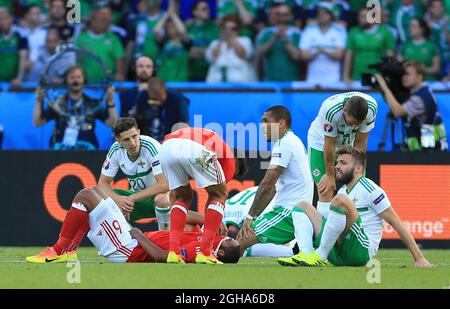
(250, 217)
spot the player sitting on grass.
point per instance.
(119, 242)
(351, 234)
(236, 210)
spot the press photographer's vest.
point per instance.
(426, 132)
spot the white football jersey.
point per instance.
(140, 172)
(370, 201)
(295, 183)
(237, 207)
(330, 121)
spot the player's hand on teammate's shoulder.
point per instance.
(424, 263)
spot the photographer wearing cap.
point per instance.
(74, 130)
(423, 123)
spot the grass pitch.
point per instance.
(397, 271)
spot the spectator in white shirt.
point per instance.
(230, 55)
(322, 46)
(32, 30)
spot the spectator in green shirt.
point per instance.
(202, 31)
(439, 25)
(105, 44)
(245, 9)
(13, 50)
(366, 43)
(419, 48)
(401, 12)
(277, 46)
(174, 45)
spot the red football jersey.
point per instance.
(189, 245)
(213, 142)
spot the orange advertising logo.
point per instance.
(420, 194)
(87, 178)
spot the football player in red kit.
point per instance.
(202, 155)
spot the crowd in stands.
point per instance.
(320, 41)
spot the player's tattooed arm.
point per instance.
(266, 190)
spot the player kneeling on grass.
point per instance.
(119, 242)
(351, 234)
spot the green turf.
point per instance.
(397, 271)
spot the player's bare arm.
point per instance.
(161, 186)
(361, 141)
(265, 193)
(327, 184)
(391, 217)
(124, 202)
(157, 254)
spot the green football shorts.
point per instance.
(316, 163)
(275, 227)
(143, 209)
(350, 250)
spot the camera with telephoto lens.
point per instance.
(392, 71)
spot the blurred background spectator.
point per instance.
(76, 128)
(161, 111)
(99, 39)
(57, 19)
(419, 48)
(244, 9)
(277, 46)
(230, 55)
(174, 45)
(366, 43)
(400, 14)
(13, 50)
(44, 53)
(322, 46)
(339, 8)
(440, 27)
(30, 27)
(202, 31)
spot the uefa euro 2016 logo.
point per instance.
(73, 12)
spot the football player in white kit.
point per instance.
(235, 213)
(351, 234)
(137, 156)
(343, 119)
(288, 180)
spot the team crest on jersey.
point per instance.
(328, 128)
(276, 155)
(141, 163)
(316, 172)
(106, 164)
(378, 199)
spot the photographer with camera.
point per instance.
(423, 123)
(75, 129)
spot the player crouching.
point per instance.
(116, 240)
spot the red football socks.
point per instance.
(178, 216)
(213, 219)
(75, 219)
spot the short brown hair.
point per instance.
(358, 107)
(232, 18)
(124, 124)
(420, 68)
(358, 156)
(72, 69)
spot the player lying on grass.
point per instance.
(116, 240)
(351, 234)
(76, 219)
(236, 210)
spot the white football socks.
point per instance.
(333, 229)
(269, 250)
(162, 217)
(303, 231)
(323, 208)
